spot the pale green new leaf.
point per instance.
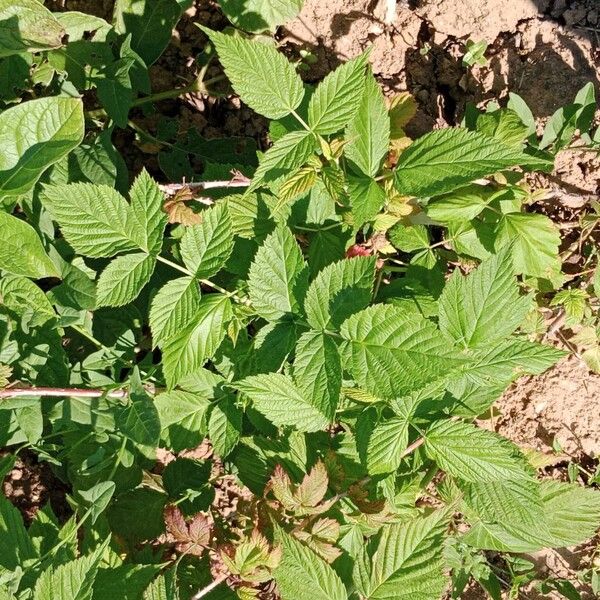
(368, 134)
(318, 371)
(277, 278)
(95, 219)
(474, 454)
(35, 135)
(303, 575)
(187, 351)
(206, 247)
(534, 241)
(263, 77)
(147, 210)
(123, 279)
(387, 441)
(338, 291)
(260, 15)
(408, 563)
(485, 306)
(444, 160)
(393, 353)
(27, 26)
(21, 250)
(288, 153)
(338, 97)
(182, 418)
(173, 307)
(277, 397)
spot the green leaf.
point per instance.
(139, 422)
(27, 26)
(338, 291)
(485, 306)
(367, 198)
(386, 443)
(460, 205)
(182, 418)
(368, 134)
(21, 251)
(162, 588)
(123, 279)
(277, 278)
(33, 136)
(115, 92)
(260, 15)
(225, 426)
(318, 371)
(71, 581)
(150, 24)
(393, 353)
(126, 581)
(474, 454)
(534, 240)
(15, 545)
(444, 160)
(279, 399)
(288, 153)
(186, 352)
(302, 575)
(96, 499)
(173, 307)
(408, 563)
(259, 74)
(205, 248)
(148, 215)
(337, 97)
(95, 219)
(572, 513)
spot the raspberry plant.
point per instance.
(294, 352)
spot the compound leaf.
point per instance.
(277, 397)
(261, 76)
(337, 97)
(206, 247)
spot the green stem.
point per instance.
(88, 336)
(173, 265)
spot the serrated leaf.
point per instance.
(277, 397)
(444, 160)
(387, 441)
(461, 205)
(318, 371)
(337, 98)
(367, 198)
(485, 306)
(261, 76)
(146, 208)
(393, 353)
(474, 454)
(408, 563)
(534, 240)
(95, 219)
(96, 499)
(173, 307)
(162, 588)
(225, 426)
(302, 575)
(139, 422)
(288, 153)
(27, 26)
(297, 184)
(260, 15)
(71, 581)
(182, 418)
(368, 133)
(15, 545)
(338, 291)
(123, 279)
(35, 135)
(21, 251)
(186, 352)
(277, 278)
(206, 247)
